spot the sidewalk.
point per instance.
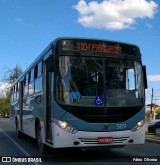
(152, 138)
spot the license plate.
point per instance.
(104, 139)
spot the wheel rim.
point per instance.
(157, 131)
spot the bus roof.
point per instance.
(53, 44)
(93, 39)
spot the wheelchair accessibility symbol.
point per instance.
(99, 100)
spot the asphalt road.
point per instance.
(11, 146)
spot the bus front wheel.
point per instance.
(41, 146)
(18, 132)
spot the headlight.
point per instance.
(65, 126)
(138, 126)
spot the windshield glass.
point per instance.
(88, 81)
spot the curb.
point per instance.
(152, 140)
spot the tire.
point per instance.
(18, 132)
(157, 131)
(41, 146)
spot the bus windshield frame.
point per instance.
(99, 82)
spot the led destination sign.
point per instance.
(99, 47)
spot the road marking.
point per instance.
(26, 153)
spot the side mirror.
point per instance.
(145, 77)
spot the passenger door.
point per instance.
(48, 100)
(21, 105)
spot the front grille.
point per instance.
(102, 114)
(103, 118)
(106, 115)
(94, 141)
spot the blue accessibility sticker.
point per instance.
(99, 100)
(74, 95)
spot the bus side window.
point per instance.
(36, 71)
(31, 76)
(17, 91)
(40, 69)
(31, 82)
(12, 94)
(38, 77)
(26, 85)
(15, 98)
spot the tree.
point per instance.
(4, 105)
(12, 74)
(148, 114)
(158, 113)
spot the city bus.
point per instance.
(82, 93)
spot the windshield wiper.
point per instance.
(84, 67)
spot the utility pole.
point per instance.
(154, 114)
(151, 116)
(152, 100)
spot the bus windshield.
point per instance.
(92, 81)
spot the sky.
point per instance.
(28, 26)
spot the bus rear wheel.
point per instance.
(41, 146)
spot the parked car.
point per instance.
(154, 127)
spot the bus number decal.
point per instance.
(121, 126)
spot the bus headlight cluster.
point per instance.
(65, 126)
(138, 126)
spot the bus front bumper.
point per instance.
(64, 139)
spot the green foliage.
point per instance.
(148, 114)
(158, 113)
(5, 105)
(9, 77)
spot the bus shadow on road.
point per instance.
(83, 155)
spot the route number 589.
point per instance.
(121, 126)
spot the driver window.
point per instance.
(130, 79)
